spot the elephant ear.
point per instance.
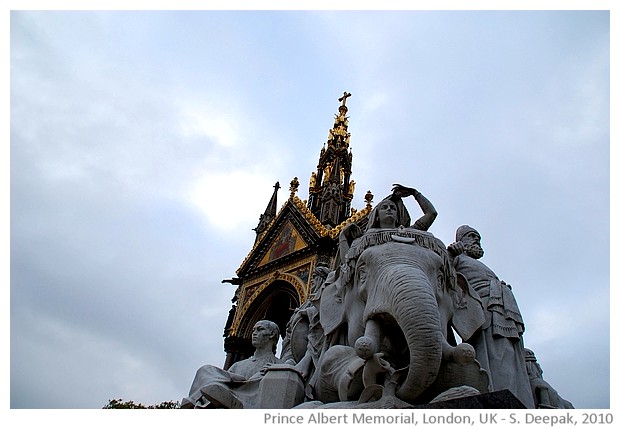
(468, 314)
(299, 338)
(331, 308)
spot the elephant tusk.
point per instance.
(402, 239)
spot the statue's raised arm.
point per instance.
(430, 213)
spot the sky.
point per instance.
(144, 145)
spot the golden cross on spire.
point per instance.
(344, 98)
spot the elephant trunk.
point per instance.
(414, 308)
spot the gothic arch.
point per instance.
(274, 300)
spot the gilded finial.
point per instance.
(368, 198)
(294, 186)
(312, 184)
(351, 187)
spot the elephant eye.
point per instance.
(361, 273)
(440, 278)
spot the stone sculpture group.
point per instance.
(378, 329)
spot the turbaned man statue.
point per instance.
(498, 343)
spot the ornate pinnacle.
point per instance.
(338, 135)
(329, 188)
(294, 187)
(270, 212)
(368, 198)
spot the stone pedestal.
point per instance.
(282, 387)
(502, 399)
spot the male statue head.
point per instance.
(534, 369)
(265, 332)
(319, 275)
(471, 239)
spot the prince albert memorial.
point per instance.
(372, 310)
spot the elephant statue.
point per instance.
(394, 301)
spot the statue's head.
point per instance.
(466, 230)
(471, 239)
(529, 355)
(319, 275)
(533, 368)
(389, 213)
(265, 332)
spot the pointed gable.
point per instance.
(289, 235)
(287, 241)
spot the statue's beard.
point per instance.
(475, 251)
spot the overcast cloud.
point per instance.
(144, 147)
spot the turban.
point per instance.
(529, 356)
(464, 229)
(322, 271)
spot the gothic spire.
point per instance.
(270, 212)
(331, 188)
